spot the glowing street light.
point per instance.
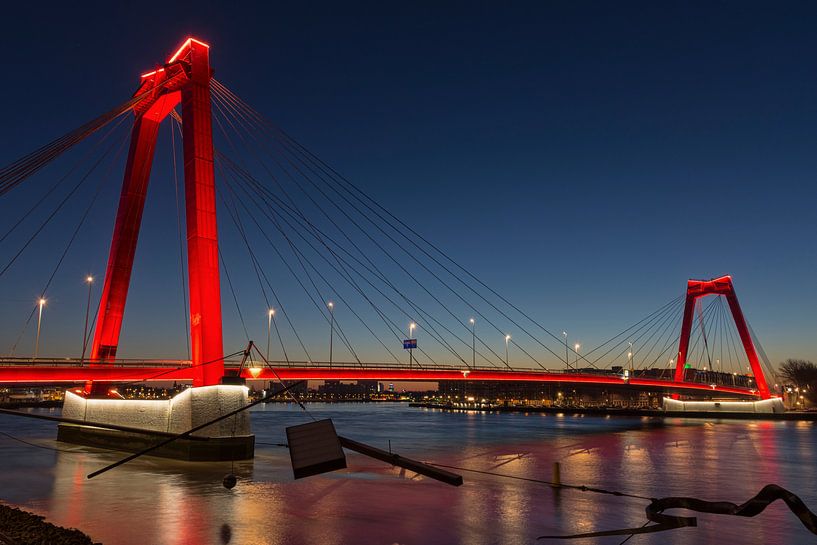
(412, 325)
(331, 306)
(41, 304)
(630, 356)
(90, 281)
(576, 348)
(567, 352)
(507, 340)
(473, 342)
(270, 315)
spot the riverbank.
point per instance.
(598, 411)
(18, 527)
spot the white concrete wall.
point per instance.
(186, 410)
(774, 405)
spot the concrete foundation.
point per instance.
(154, 420)
(773, 405)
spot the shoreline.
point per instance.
(653, 413)
(19, 527)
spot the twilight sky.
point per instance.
(583, 158)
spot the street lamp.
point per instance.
(270, 314)
(567, 353)
(412, 325)
(507, 340)
(473, 343)
(90, 281)
(576, 348)
(331, 306)
(630, 356)
(41, 304)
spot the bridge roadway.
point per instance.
(71, 371)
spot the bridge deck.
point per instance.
(26, 371)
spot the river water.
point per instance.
(156, 501)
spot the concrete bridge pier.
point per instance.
(148, 421)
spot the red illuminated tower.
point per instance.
(719, 286)
(186, 79)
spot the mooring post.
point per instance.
(557, 476)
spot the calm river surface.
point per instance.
(156, 501)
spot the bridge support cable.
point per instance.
(371, 265)
(395, 330)
(84, 216)
(634, 331)
(317, 235)
(18, 171)
(182, 269)
(632, 327)
(420, 284)
(259, 272)
(635, 341)
(271, 201)
(694, 356)
(397, 225)
(319, 306)
(61, 179)
(232, 292)
(236, 212)
(643, 349)
(703, 334)
(767, 364)
(302, 219)
(91, 168)
(408, 273)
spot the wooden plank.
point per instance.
(401, 461)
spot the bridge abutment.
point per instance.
(147, 421)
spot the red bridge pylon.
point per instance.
(184, 79)
(719, 286)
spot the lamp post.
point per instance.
(41, 304)
(473, 343)
(331, 306)
(90, 281)
(576, 348)
(567, 352)
(630, 357)
(507, 340)
(270, 314)
(412, 325)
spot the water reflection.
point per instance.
(154, 501)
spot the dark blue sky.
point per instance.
(583, 158)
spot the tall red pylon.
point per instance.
(185, 79)
(719, 286)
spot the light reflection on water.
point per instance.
(156, 501)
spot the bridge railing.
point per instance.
(739, 381)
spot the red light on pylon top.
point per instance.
(185, 46)
(143, 76)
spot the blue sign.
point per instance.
(408, 344)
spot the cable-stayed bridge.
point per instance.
(305, 241)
